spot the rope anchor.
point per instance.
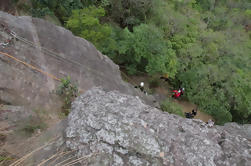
(9, 32)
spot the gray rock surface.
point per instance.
(122, 130)
(68, 56)
(23, 90)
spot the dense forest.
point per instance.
(203, 45)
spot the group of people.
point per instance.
(176, 93)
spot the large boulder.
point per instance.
(111, 128)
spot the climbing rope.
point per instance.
(14, 36)
(31, 66)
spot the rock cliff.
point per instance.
(53, 50)
(26, 93)
(122, 130)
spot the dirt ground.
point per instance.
(164, 90)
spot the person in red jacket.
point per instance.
(176, 94)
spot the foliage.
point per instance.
(207, 83)
(61, 8)
(210, 55)
(4, 158)
(24, 7)
(145, 50)
(201, 44)
(14, 1)
(171, 107)
(129, 13)
(85, 23)
(68, 92)
(40, 12)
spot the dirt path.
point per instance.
(164, 90)
(188, 107)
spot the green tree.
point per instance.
(61, 8)
(201, 44)
(146, 50)
(85, 23)
(129, 13)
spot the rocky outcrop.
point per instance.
(121, 130)
(25, 92)
(56, 51)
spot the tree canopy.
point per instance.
(202, 44)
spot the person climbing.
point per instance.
(141, 87)
(182, 90)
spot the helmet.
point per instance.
(183, 89)
(142, 84)
(179, 91)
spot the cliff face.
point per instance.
(53, 50)
(120, 130)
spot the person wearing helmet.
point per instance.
(182, 90)
(141, 87)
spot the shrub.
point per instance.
(129, 13)
(171, 107)
(145, 50)
(5, 158)
(40, 12)
(86, 24)
(68, 92)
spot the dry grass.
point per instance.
(52, 160)
(5, 158)
(19, 161)
(80, 159)
(60, 156)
